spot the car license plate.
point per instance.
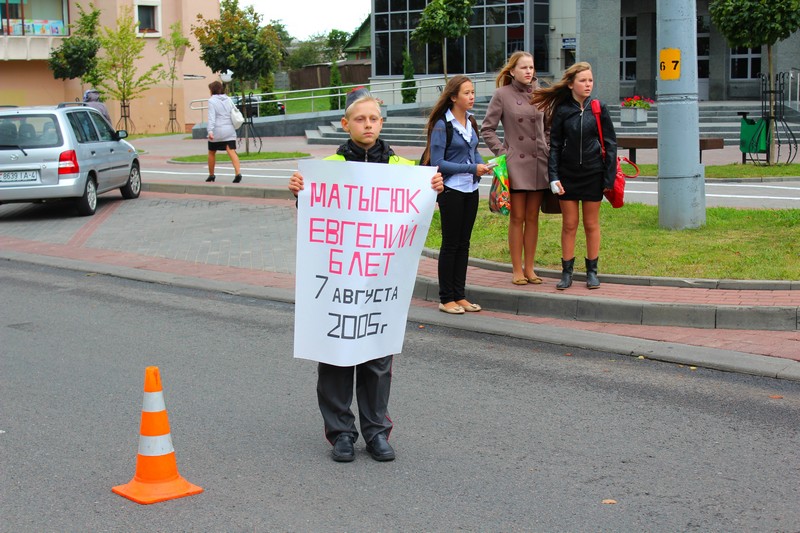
(19, 175)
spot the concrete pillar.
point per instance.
(598, 43)
(681, 177)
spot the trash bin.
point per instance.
(753, 136)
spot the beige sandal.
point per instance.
(535, 280)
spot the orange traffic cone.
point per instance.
(156, 478)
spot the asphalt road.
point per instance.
(745, 194)
(492, 433)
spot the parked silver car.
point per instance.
(64, 151)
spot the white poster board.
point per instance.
(360, 232)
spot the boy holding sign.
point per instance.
(362, 120)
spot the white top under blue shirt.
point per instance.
(462, 182)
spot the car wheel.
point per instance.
(132, 189)
(87, 204)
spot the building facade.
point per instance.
(30, 29)
(359, 46)
(618, 37)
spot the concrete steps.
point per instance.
(407, 127)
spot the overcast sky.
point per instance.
(303, 18)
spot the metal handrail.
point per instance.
(376, 88)
(794, 74)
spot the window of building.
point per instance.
(33, 17)
(703, 45)
(381, 55)
(497, 29)
(627, 49)
(541, 36)
(745, 63)
(148, 17)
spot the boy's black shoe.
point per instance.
(343, 450)
(380, 449)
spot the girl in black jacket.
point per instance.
(577, 170)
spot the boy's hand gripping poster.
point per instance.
(360, 232)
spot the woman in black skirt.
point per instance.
(577, 170)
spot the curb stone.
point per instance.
(710, 358)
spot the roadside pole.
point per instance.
(681, 177)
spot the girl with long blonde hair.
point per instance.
(525, 143)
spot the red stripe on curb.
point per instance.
(88, 229)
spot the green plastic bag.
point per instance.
(500, 194)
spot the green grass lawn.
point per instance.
(734, 243)
(307, 104)
(252, 156)
(135, 136)
(734, 171)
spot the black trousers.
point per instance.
(457, 211)
(335, 395)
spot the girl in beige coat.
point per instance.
(526, 143)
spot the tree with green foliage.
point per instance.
(236, 41)
(283, 37)
(172, 49)
(307, 53)
(409, 86)
(754, 23)
(442, 20)
(77, 55)
(122, 49)
(336, 99)
(267, 86)
(335, 43)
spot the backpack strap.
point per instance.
(425, 159)
(596, 113)
(449, 131)
(448, 135)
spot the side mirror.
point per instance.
(121, 134)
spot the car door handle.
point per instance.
(94, 153)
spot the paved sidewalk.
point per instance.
(244, 244)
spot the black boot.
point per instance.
(237, 178)
(591, 274)
(212, 177)
(566, 274)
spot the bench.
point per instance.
(632, 142)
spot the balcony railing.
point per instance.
(27, 47)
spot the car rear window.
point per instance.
(29, 131)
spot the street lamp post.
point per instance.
(681, 176)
